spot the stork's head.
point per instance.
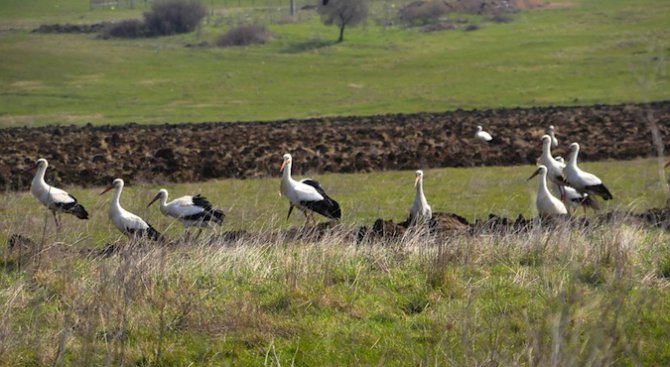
(546, 139)
(559, 159)
(540, 170)
(574, 147)
(116, 184)
(42, 163)
(479, 128)
(287, 160)
(419, 177)
(162, 193)
(551, 127)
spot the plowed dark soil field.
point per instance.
(92, 155)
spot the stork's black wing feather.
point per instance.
(202, 202)
(315, 184)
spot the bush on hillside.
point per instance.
(244, 35)
(131, 28)
(168, 17)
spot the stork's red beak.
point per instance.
(154, 199)
(537, 172)
(107, 189)
(283, 165)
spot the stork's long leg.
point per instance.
(199, 233)
(187, 235)
(53, 212)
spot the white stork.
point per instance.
(55, 199)
(420, 210)
(554, 167)
(482, 135)
(547, 204)
(128, 223)
(191, 211)
(307, 195)
(582, 181)
(573, 199)
(554, 141)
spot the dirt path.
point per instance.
(92, 155)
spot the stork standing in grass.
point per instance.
(55, 199)
(191, 211)
(482, 135)
(547, 204)
(128, 223)
(552, 134)
(573, 199)
(307, 195)
(582, 181)
(420, 210)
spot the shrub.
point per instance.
(131, 28)
(423, 12)
(174, 16)
(244, 35)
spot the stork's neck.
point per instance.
(39, 176)
(116, 205)
(420, 197)
(542, 187)
(573, 158)
(163, 203)
(286, 175)
(546, 148)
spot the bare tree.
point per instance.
(343, 13)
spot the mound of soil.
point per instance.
(71, 28)
(93, 155)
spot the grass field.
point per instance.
(594, 297)
(582, 52)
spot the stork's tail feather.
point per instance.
(327, 207)
(79, 211)
(216, 216)
(152, 234)
(590, 202)
(600, 190)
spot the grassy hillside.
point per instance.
(577, 52)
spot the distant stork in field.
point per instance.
(482, 135)
(554, 141)
(128, 223)
(547, 204)
(573, 199)
(55, 199)
(582, 181)
(307, 195)
(420, 210)
(191, 211)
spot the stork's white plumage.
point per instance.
(547, 204)
(55, 199)
(128, 223)
(307, 195)
(420, 210)
(573, 199)
(554, 168)
(552, 134)
(482, 135)
(582, 181)
(191, 211)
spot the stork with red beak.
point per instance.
(191, 211)
(55, 199)
(547, 204)
(128, 223)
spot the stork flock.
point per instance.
(574, 187)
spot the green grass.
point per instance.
(255, 204)
(587, 52)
